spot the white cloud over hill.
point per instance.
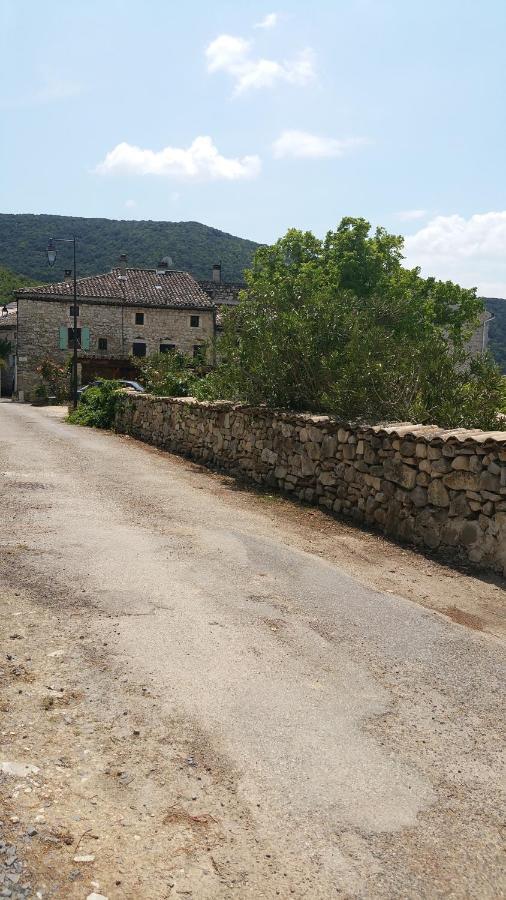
(200, 161)
(470, 251)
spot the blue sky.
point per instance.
(254, 117)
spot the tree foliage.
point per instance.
(55, 379)
(10, 282)
(169, 374)
(97, 406)
(339, 325)
(193, 247)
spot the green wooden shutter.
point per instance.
(85, 338)
(63, 337)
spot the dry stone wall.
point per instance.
(441, 490)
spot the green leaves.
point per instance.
(97, 406)
(167, 374)
(339, 325)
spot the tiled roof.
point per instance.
(141, 287)
(9, 320)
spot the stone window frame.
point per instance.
(139, 318)
(195, 321)
(167, 346)
(102, 343)
(71, 310)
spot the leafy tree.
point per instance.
(10, 282)
(339, 325)
(169, 374)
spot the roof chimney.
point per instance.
(123, 266)
(67, 275)
(217, 273)
(164, 265)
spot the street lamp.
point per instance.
(51, 258)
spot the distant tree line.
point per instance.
(193, 247)
(10, 282)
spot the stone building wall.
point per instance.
(441, 490)
(39, 324)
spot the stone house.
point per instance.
(126, 313)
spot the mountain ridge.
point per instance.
(194, 247)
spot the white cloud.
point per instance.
(130, 204)
(470, 251)
(410, 215)
(270, 21)
(200, 161)
(303, 145)
(231, 54)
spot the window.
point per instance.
(198, 352)
(139, 318)
(139, 348)
(67, 338)
(166, 348)
(71, 311)
(102, 343)
(70, 338)
(194, 321)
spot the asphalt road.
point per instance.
(357, 733)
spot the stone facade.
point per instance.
(444, 491)
(120, 313)
(39, 323)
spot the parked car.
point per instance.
(133, 385)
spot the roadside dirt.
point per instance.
(463, 595)
(122, 801)
(206, 712)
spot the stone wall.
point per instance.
(441, 490)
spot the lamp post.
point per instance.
(51, 258)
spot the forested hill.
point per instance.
(192, 246)
(497, 329)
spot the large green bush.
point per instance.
(339, 325)
(97, 406)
